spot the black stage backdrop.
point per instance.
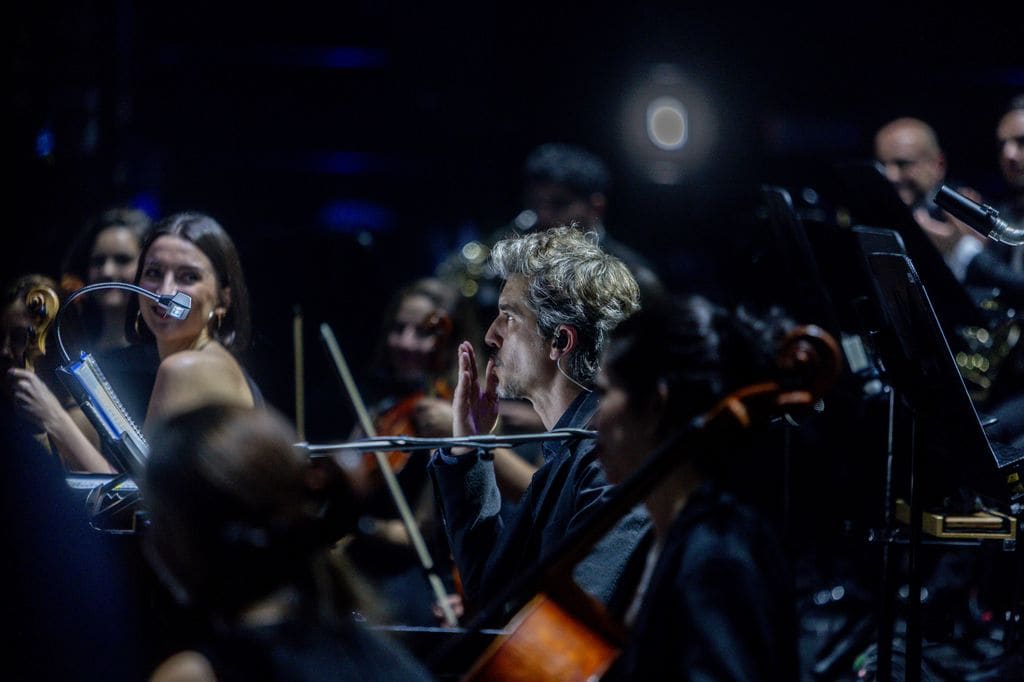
(349, 149)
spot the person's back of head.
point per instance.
(677, 360)
(565, 183)
(236, 515)
(694, 351)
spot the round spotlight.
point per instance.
(667, 127)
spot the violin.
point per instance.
(399, 419)
(42, 304)
(564, 634)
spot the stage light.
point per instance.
(669, 124)
(667, 127)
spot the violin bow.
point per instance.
(426, 561)
(300, 375)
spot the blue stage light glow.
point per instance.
(353, 216)
(46, 142)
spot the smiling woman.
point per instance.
(191, 253)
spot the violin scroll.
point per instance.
(42, 304)
(809, 361)
(810, 358)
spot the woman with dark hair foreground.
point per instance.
(241, 528)
(711, 598)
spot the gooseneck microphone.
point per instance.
(981, 217)
(177, 304)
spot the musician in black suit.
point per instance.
(562, 296)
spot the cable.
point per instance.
(559, 366)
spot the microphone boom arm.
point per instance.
(981, 217)
(177, 305)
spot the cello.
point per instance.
(41, 306)
(561, 633)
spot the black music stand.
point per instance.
(872, 200)
(946, 446)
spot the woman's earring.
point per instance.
(138, 317)
(220, 320)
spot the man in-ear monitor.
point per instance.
(561, 341)
(562, 296)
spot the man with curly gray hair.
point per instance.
(561, 298)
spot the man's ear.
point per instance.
(564, 342)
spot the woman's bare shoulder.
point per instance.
(191, 378)
(199, 364)
(185, 666)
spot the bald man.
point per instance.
(909, 151)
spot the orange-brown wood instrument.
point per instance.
(42, 305)
(399, 419)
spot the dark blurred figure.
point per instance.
(909, 152)
(562, 185)
(1010, 137)
(241, 528)
(69, 605)
(26, 372)
(712, 595)
(1006, 398)
(565, 184)
(107, 250)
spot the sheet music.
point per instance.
(108, 414)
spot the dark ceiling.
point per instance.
(348, 149)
